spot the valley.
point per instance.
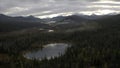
(95, 43)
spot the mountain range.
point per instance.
(8, 23)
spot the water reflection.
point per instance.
(50, 50)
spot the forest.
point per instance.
(96, 48)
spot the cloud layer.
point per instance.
(51, 8)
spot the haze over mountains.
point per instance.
(8, 23)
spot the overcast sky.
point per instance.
(51, 8)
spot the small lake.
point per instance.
(49, 50)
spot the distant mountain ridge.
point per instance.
(8, 23)
(19, 18)
(31, 18)
(76, 18)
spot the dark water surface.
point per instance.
(49, 50)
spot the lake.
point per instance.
(48, 51)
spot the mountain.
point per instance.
(78, 21)
(63, 20)
(8, 23)
(112, 21)
(76, 18)
(20, 18)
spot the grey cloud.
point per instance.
(47, 7)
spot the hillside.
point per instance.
(8, 23)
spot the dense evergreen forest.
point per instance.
(95, 48)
